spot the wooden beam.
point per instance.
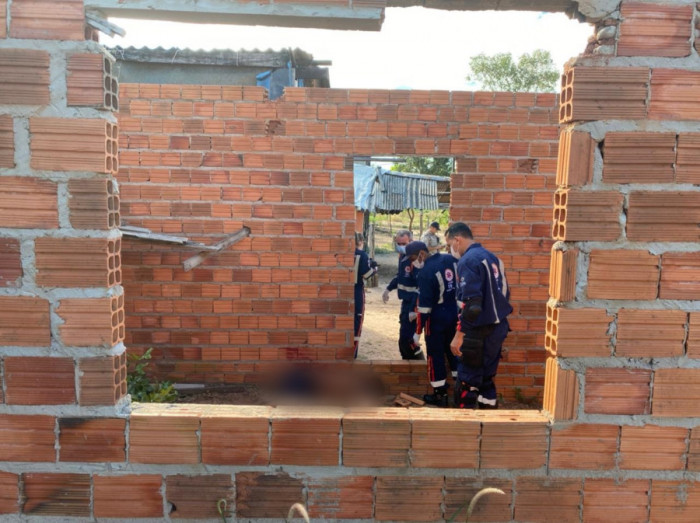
(196, 260)
(367, 17)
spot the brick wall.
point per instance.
(201, 161)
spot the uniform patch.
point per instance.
(496, 273)
(449, 276)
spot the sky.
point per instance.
(417, 48)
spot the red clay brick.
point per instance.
(693, 344)
(47, 20)
(653, 448)
(3, 18)
(457, 439)
(163, 439)
(102, 380)
(635, 157)
(655, 30)
(18, 312)
(520, 445)
(674, 94)
(688, 158)
(663, 216)
(393, 503)
(92, 322)
(587, 215)
(93, 204)
(562, 274)
(56, 495)
(676, 393)
(28, 203)
(628, 500)
(10, 263)
(380, 439)
(561, 497)
(198, 496)
(623, 275)
(694, 449)
(237, 438)
(341, 497)
(575, 162)
(617, 391)
(260, 495)
(92, 439)
(675, 501)
(649, 333)
(584, 446)
(561, 391)
(39, 381)
(306, 439)
(9, 483)
(577, 332)
(139, 496)
(24, 75)
(7, 138)
(494, 507)
(680, 276)
(27, 438)
(78, 262)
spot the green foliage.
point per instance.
(425, 165)
(521, 398)
(140, 385)
(534, 72)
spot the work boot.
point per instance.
(466, 397)
(438, 398)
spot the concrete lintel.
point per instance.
(552, 6)
(239, 12)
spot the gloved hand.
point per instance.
(416, 339)
(385, 295)
(412, 316)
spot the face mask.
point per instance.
(454, 253)
(401, 249)
(418, 264)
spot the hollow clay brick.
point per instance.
(39, 381)
(561, 496)
(236, 439)
(198, 496)
(586, 215)
(655, 30)
(78, 262)
(93, 440)
(24, 77)
(460, 489)
(90, 81)
(584, 447)
(92, 322)
(93, 204)
(10, 263)
(694, 449)
(460, 446)
(635, 157)
(260, 495)
(650, 333)
(341, 497)
(575, 162)
(680, 276)
(27, 438)
(423, 504)
(688, 158)
(663, 216)
(623, 275)
(28, 203)
(628, 500)
(47, 494)
(693, 344)
(676, 393)
(577, 332)
(163, 439)
(380, 439)
(675, 94)
(102, 380)
(561, 391)
(73, 144)
(562, 274)
(139, 496)
(3, 18)
(665, 496)
(16, 313)
(306, 441)
(47, 19)
(653, 448)
(9, 483)
(603, 93)
(7, 139)
(502, 449)
(617, 391)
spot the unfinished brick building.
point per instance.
(619, 427)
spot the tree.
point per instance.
(425, 165)
(533, 72)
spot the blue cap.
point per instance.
(415, 247)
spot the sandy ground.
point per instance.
(380, 330)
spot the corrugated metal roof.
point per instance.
(224, 57)
(394, 191)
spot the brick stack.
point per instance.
(62, 319)
(201, 161)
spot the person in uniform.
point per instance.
(364, 269)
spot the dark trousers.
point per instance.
(482, 377)
(437, 340)
(407, 329)
(359, 314)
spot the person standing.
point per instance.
(484, 296)
(431, 239)
(364, 269)
(407, 290)
(437, 315)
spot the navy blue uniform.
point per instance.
(482, 276)
(437, 313)
(405, 282)
(362, 270)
